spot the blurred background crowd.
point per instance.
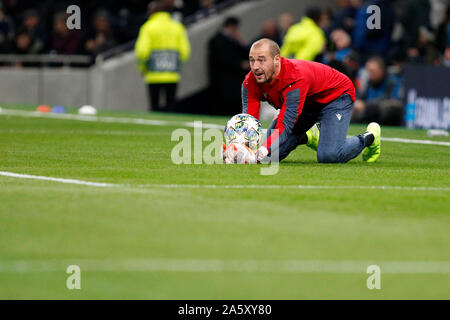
(412, 32)
(39, 26)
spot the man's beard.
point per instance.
(266, 78)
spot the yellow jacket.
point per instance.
(161, 47)
(304, 40)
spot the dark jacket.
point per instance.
(225, 56)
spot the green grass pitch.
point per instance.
(45, 225)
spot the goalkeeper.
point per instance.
(306, 93)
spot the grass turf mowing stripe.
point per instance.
(214, 186)
(206, 265)
(23, 113)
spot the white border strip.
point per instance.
(67, 116)
(213, 186)
(238, 266)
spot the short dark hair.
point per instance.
(157, 6)
(231, 21)
(30, 13)
(60, 16)
(314, 13)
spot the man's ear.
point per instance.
(277, 60)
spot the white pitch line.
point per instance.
(235, 266)
(214, 186)
(67, 116)
(88, 118)
(326, 187)
(61, 180)
(415, 141)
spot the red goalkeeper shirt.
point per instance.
(300, 85)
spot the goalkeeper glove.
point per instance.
(261, 154)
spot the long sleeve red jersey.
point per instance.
(300, 85)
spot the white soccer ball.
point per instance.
(87, 110)
(243, 129)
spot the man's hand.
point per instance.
(222, 151)
(245, 155)
(230, 153)
(261, 154)
(239, 153)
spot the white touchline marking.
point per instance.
(214, 186)
(82, 132)
(61, 180)
(415, 141)
(215, 265)
(254, 186)
(68, 116)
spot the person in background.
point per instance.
(443, 37)
(326, 18)
(425, 50)
(228, 64)
(25, 43)
(206, 9)
(415, 14)
(376, 41)
(161, 47)
(131, 17)
(341, 43)
(340, 55)
(32, 23)
(345, 16)
(285, 21)
(446, 57)
(305, 40)
(6, 30)
(269, 31)
(102, 37)
(379, 95)
(63, 40)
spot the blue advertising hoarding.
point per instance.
(427, 97)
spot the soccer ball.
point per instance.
(243, 129)
(87, 110)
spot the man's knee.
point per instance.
(288, 146)
(328, 156)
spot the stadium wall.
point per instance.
(116, 82)
(62, 86)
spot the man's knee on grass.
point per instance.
(328, 156)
